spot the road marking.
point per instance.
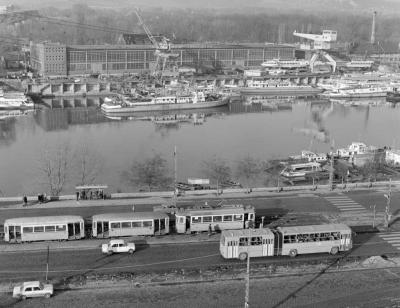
(392, 238)
(345, 204)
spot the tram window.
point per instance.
(256, 240)
(126, 224)
(196, 219)
(238, 217)
(115, 225)
(136, 224)
(227, 217)
(243, 241)
(50, 228)
(27, 229)
(61, 228)
(181, 220)
(38, 229)
(207, 218)
(217, 218)
(147, 223)
(11, 229)
(286, 239)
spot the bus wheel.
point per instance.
(243, 256)
(334, 250)
(293, 253)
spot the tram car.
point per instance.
(207, 218)
(44, 228)
(130, 224)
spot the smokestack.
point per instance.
(373, 28)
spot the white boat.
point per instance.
(289, 64)
(364, 90)
(195, 100)
(301, 170)
(265, 86)
(6, 114)
(14, 100)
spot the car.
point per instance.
(33, 289)
(118, 246)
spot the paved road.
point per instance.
(31, 265)
(265, 206)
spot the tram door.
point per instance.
(106, 225)
(156, 226)
(99, 228)
(278, 240)
(70, 230)
(11, 233)
(77, 229)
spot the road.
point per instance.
(31, 265)
(265, 206)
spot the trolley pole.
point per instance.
(331, 166)
(388, 197)
(47, 262)
(374, 209)
(175, 175)
(247, 296)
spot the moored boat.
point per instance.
(268, 87)
(14, 100)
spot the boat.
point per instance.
(195, 100)
(12, 113)
(301, 170)
(363, 90)
(14, 100)
(289, 64)
(269, 87)
(393, 96)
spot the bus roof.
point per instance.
(247, 232)
(130, 216)
(314, 229)
(44, 220)
(208, 210)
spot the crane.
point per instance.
(163, 51)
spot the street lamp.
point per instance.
(387, 210)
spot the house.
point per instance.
(392, 157)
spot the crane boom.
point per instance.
(146, 30)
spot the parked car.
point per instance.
(118, 246)
(33, 289)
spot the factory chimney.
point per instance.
(373, 28)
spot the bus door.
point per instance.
(188, 223)
(106, 225)
(156, 226)
(17, 233)
(278, 240)
(99, 228)
(233, 249)
(267, 247)
(162, 225)
(345, 242)
(11, 233)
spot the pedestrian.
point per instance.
(77, 195)
(209, 230)
(25, 199)
(38, 198)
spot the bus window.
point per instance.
(256, 240)
(126, 224)
(136, 224)
(27, 229)
(61, 228)
(50, 228)
(147, 224)
(115, 225)
(243, 241)
(38, 229)
(238, 217)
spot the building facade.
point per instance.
(52, 59)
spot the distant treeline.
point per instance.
(186, 25)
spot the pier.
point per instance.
(68, 88)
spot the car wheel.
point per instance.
(334, 250)
(109, 253)
(243, 256)
(23, 297)
(130, 251)
(293, 253)
(47, 295)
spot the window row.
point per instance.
(37, 229)
(217, 218)
(252, 241)
(131, 224)
(313, 237)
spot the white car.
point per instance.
(118, 246)
(33, 289)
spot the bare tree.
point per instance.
(88, 164)
(272, 168)
(248, 168)
(54, 168)
(217, 169)
(152, 173)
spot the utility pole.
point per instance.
(331, 166)
(388, 199)
(175, 175)
(247, 296)
(47, 262)
(374, 209)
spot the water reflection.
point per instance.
(8, 133)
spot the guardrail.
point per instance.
(345, 186)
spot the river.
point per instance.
(261, 128)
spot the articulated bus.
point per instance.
(285, 241)
(45, 228)
(129, 224)
(206, 218)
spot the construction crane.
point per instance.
(163, 51)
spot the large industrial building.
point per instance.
(55, 59)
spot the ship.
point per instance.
(14, 100)
(194, 100)
(269, 87)
(393, 96)
(364, 90)
(289, 64)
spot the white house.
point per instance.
(393, 157)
